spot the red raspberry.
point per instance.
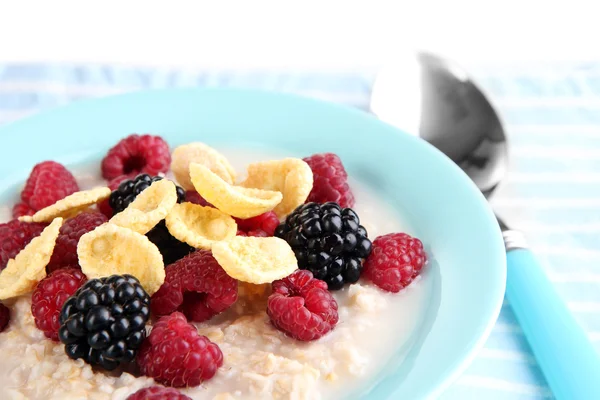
(262, 225)
(4, 317)
(396, 259)
(301, 306)
(48, 182)
(158, 393)
(330, 180)
(105, 209)
(137, 154)
(176, 355)
(22, 209)
(14, 236)
(50, 295)
(194, 197)
(255, 233)
(65, 250)
(196, 285)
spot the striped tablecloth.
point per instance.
(552, 193)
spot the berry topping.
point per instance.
(65, 250)
(128, 190)
(395, 261)
(137, 154)
(262, 225)
(330, 180)
(196, 285)
(158, 393)
(255, 233)
(170, 248)
(302, 307)
(104, 321)
(4, 317)
(113, 184)
(21, 210)
(328, 241)
(14, 236)
(176, 355)
(49, 297)
(48, 182)
(194, 197)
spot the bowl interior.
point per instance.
(438, 201)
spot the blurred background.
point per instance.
(538, 60)
(311, 34)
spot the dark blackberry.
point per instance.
(328, 241)
(129, 189)
(170, 248)
(104, 321)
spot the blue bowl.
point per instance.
(436, 198)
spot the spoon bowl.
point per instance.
(451, 113)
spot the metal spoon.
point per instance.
(434, 98)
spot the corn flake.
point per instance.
(290, 176)
(255, 259)
(200, 226)
(253, 293)
(69, 206)
(110, 249)
(236, 201)
(22, 273)
(149, 208)
(203, 154)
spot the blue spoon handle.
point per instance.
(567, 358)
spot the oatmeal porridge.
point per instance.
(259, 361)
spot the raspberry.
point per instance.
(194, 197)
(395, 261)
(49, 297)
(330, 180)
(105, 209)
(4, 317)
(158, 393)
(137, 154)
(196, 285)
(176, 355)
(255, 233)
(48, 182)
(22, 209)
(302, 307)
(262, 225)
(65, 250)
(14, 236)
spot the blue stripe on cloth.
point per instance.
(552, 115)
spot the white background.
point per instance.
(303, 34)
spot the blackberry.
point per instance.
(170, 248)
(328, 240)
(104, 321)
(129, 189)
